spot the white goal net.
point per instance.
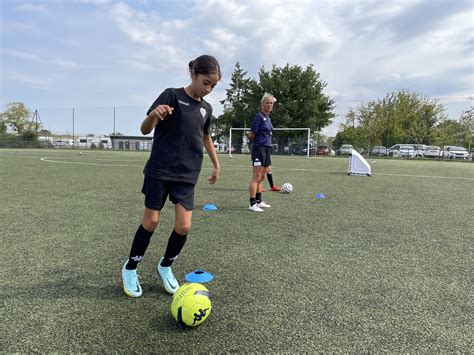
(285, 141)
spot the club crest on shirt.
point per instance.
(203, 111)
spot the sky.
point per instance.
(95, 56)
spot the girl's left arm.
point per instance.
(209, 145)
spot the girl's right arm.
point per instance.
(158, 114)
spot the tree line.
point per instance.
(404, 117)
(399, 117)
(17, 122)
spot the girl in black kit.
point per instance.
(182, 121)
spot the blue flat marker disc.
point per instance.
(209, 207)
(199, 276)
(320, 195)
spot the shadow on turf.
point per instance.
(222, 189)
(77, 286)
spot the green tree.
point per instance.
(467, 127)
(3, 126)
(448, 133)
(236, 105)
(16, 118)
(400, 117)
(300, 98)
(44, 132)
(357, 136)
(299, 93)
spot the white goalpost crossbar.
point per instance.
(308, 141)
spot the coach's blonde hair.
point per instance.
(267, 96)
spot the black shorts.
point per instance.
(156, 191)
(261, 156)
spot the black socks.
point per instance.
(139, 246)
(142, 240)
(270, 179)
(175, 244)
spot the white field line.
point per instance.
(88, 158)
(245, 167)
(46, 159)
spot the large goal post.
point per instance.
(290, 144)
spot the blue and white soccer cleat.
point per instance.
(169, 281)
(255, 208)
(263, 205)
(131, 286)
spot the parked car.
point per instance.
(455, 152)
(297, 149)
(379, 151)
(402, 151)
(419, 150)
(361, 151)
(312, 150)
(432, 151)
(323, 150)
(345, 149)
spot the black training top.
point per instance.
(177, 149)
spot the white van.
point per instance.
(402, 151)
(94, 143)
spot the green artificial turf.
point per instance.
(383, 263)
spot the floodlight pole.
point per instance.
(73, 136)
(113, 145)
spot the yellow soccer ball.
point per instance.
(191, 304)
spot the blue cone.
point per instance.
(209, 207)
(320, 196)
(199, 276)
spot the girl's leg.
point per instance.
(177, 239)
(176, 242)
(150, 219)
(142, 237)
(131, 285)
(182, 220)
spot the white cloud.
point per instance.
(96, 2)
(28, 7)
(32, 81)
(363, 49)
(68, 64)
(64, 63)
(21, 54)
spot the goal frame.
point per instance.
(308, 141)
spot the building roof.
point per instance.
(141, 138)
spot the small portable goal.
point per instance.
(358, 165)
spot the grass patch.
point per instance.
(383, 263)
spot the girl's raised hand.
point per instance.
(162, 111)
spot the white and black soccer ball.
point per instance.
(286, 188)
